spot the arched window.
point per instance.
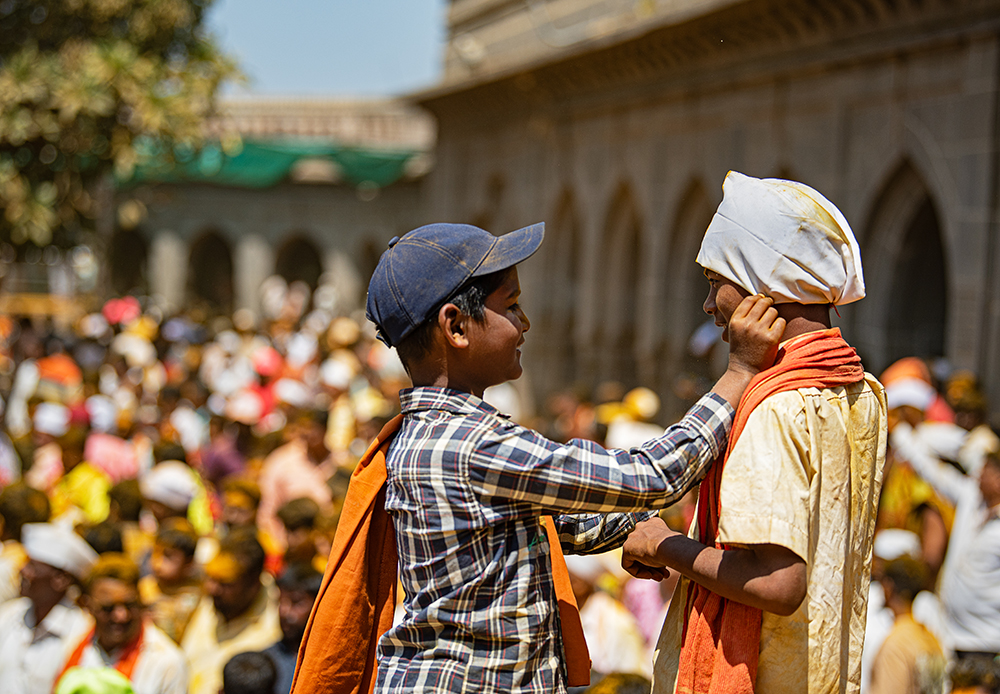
(210, 272)
(690, 365)
(299, 260)
(906, 277)
(557, 303)
(622, 271)
(127, 255)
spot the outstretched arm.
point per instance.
(768, 577)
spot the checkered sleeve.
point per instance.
(590, 533)
(535, 475)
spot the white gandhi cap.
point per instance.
(58, 546)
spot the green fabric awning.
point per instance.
(261, 164)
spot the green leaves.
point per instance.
(81, 81)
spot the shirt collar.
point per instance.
(413, 400)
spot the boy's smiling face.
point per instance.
(496, 342)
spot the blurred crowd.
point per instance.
(170, 487)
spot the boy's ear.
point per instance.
(454, 324)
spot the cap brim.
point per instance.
(511, 249)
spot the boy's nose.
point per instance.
(709, 305)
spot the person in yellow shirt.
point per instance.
(83, 486)
(238, 613)
(910, 660)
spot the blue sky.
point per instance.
(333, 47)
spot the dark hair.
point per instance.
(129, 499)
(169, 451)
(299, 513)
(249, 673)
(908, 576)
(301, 577)
(20, 504)
(470, 299)
(104, 537)
(177, 533)
(975, 671)
(113, 565)
(243, 545)
(245, 486)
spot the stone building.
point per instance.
(297, 188)
(615, 122)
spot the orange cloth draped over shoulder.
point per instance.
(357, 598)
(721, 638)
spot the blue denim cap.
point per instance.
(419, 271)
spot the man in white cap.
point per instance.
(37, 629)
(775, 571)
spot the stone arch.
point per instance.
(620, 274)
(906, 274)
(686, 375)
(298, 259)
(557, 303)
(210, 272)
(128, 253)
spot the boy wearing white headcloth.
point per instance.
(775, 570)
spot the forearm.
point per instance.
(732, 384)
(763, 577)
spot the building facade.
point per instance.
(615, 122)
(306, 189)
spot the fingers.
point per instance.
(754, 307)
(640, 570)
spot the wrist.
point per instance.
(738, 368)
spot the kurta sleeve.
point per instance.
(766, 482)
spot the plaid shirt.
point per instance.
(466, 491)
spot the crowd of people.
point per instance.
(170, 486)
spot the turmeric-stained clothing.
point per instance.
(805, 474)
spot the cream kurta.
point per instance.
(32, 655)
(805, 474)
(209, 641)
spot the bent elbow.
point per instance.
(787, 597)
(786, 607)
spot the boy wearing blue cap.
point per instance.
(467, 489)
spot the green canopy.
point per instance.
(263, 163)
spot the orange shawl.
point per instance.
(357, 598)
(721, 638)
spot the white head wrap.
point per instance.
(893, 543)
(58, 546)
(51, 418)
(909, 391)
(171, 483)
(785, 240)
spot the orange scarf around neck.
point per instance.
(126, 661)
(357, 598)
(721, 638)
